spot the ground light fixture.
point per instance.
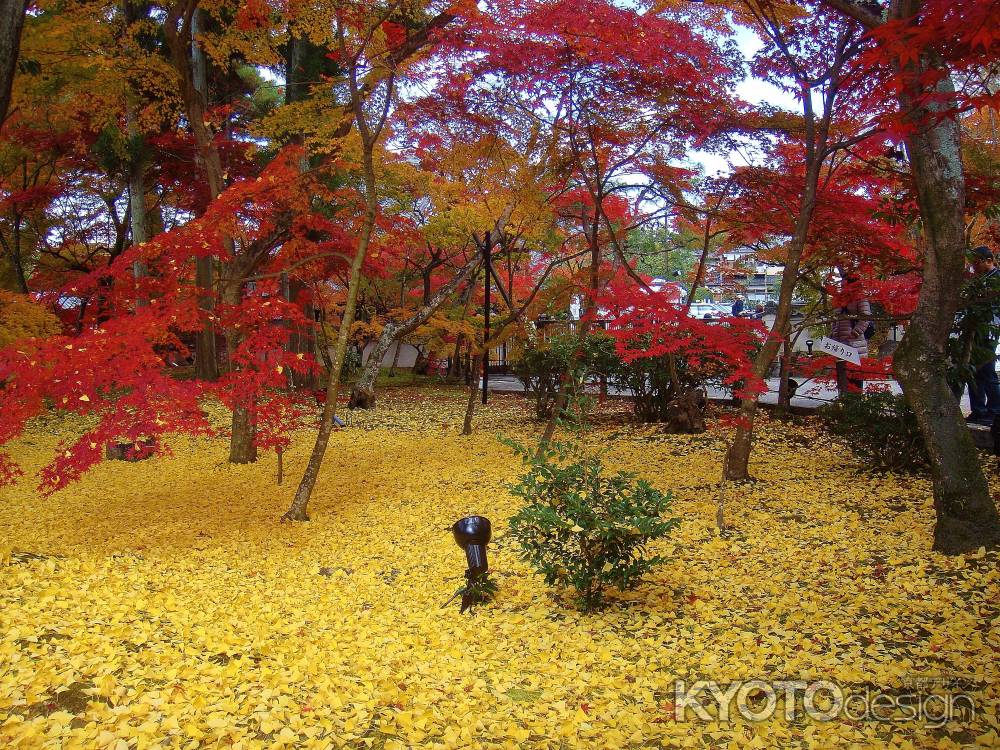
(809, 345)
(472, 534)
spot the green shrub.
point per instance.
(648, 379)
(879, 427)
(542, 366)
(583, 528)
(352, 364)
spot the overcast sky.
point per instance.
(752, 90)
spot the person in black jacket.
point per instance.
(979, 318)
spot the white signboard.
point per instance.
(839, 350)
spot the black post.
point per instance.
(487, 240)
(842, 381)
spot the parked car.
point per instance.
(708, 310)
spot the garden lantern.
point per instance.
(809, 345)
(473, 534)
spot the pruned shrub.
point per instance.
(879, 427)
(584, 528)
(545, 367)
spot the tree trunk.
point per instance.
(11, 22)
(784, 373)
(422, 364)
(470, 409)
(736, 464)
(967, 517)
(16, 262)
(137, 199)
(369, 134)
(395, 357)
(301, 338)
(369, 139)
(206, 356)
(558, 406)
(566, 381)
(300, 503)
(455, 366)
(363, 393)
(243, 443)
(243, 430)
(843, 384)
(190, 65)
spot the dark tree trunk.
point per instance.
(206, 365)
(967, 516)
(784, 374)
(301, 338)
(455, 366)
(395, 357)
(243, 432)
(11, 22)
(243, 443)
(180, 28)
(17, 263)
(843, 383)
(422, 364)
(470, 408)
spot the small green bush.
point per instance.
(879, 427)
(543, 365)
(540, 368)
(352, 364)
(653, 390)
(583, 528)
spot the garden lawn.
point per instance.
(161, 604)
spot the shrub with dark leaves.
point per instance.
(880, 428)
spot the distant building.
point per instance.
(738, 272)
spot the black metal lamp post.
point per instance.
(487, 268)
(809, 345)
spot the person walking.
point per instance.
(853, 327)
(979, 323)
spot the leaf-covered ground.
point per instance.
(161, 604)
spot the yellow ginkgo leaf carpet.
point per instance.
(161, 604)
